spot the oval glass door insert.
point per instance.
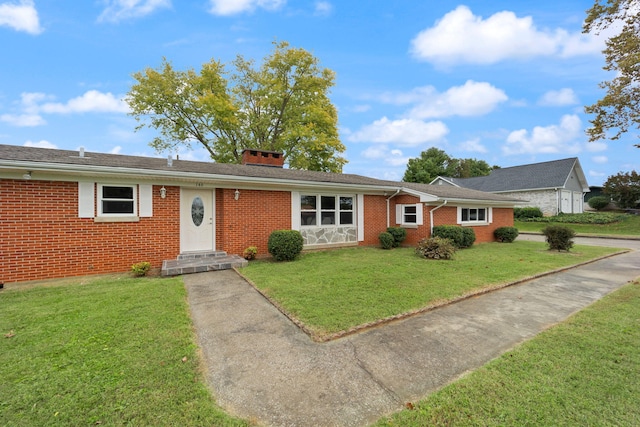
(197, 211)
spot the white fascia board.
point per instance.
(72, 172)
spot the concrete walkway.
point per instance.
(262, 367)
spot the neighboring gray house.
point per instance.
(555, 186)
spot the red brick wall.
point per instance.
(250, 220)
(42, 236)
(376, 220)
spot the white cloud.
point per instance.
(595, 147)
(23, 120)
(462, 37)
(548, 139)
(407, 132)
(559, 98)
(473, 145)
(362, 108)
(91, 101)
(118, 10)
(323, 8)
(470, 99)
(597, 174)
(600, 159)
(21, 16)
(41, 144)
(232, 7)
(380, 151)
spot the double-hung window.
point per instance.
(326, 210)
(117, 200)
(409, 215)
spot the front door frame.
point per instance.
(187, 194)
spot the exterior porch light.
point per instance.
(236, 195)
(163, 192)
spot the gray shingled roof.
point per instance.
(552, 174)
(14, 155)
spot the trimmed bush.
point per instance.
(598, 202)
(468, 237)
(436, 248)
(526, 213)
(559, 237)
(386, 240)
(399, 234)
(462, 237)
(285, 245)
(505, 234)
(250, 253)
(140, 269)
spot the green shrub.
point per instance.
(505, 234)
(525, 213)
(436, 248)
(141, 268)
(250, 253)
(285, 245)
(468, 237)
(559, 237)
(386, 240)
(462, 237)
(399, 234)
(582, 218)
(598, 202)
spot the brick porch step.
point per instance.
(198, 262)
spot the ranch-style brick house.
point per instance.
(70, 213)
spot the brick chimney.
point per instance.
(262, 158)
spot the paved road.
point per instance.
(262, 367)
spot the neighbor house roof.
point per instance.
(92, 165)
(535, 176)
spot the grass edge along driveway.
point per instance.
(330, 292)
(584, 371)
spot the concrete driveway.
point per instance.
(262, 367)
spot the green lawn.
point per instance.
(583, 372)
(629, 226)
(332, 291)
(109, 351)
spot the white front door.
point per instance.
(197, 225)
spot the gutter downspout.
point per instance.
(431, 216)
(392, 196)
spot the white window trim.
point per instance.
(296, 210)
(488, 215)
(133, 214)
(400, 215)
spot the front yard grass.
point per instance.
(333, 291)
(583, 372)
(107, 351)
(628, 226)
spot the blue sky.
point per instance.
(501, 81)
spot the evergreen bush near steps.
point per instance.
(505, 234)
(399, 234)
(558, 237)
(386, 240)
(285, 245)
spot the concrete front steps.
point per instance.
(198, 262)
